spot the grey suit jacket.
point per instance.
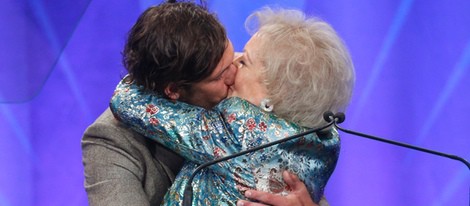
(124, 168)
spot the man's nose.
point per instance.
(230, 75)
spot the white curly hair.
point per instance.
(307, 67)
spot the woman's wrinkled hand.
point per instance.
(299, 195)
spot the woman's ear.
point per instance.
(172, 91)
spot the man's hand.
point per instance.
(299, 195)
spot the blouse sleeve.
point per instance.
(197, 134)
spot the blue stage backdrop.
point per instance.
(60, 61)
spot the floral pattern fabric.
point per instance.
(201, 135)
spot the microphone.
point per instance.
(188, 190)
(340, 117)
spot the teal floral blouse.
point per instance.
(201, 135)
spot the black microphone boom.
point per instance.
(340, 117)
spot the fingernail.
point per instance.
(287, 175)
(240, 203)
(291, 175)
(248, 194)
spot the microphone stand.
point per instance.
(454, 157)
(188, 190)
(340, 117)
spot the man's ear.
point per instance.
(172, 91)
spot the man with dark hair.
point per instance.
(179, 51)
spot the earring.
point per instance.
(266, 105)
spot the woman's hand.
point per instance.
(299, 195)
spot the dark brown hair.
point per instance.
(173, 43)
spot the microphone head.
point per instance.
(339, 117)
(328, 116)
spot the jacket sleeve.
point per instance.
(119, 168)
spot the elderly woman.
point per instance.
(291, 71)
